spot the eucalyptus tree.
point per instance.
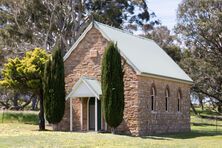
(167, 41)
(25, 24)
(199, 24)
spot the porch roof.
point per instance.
(85, 87)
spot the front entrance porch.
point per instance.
(88, 90)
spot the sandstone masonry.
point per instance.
(139, 119)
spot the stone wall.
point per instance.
(160, 120)
(84, 116)
(64, 125)
(130, 123)
(85, 60)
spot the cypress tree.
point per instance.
(54, 87)
(112, 86)
(48, 90)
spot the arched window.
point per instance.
(179, 97)
(153, 95)
(167, 95)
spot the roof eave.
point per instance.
(166, 78)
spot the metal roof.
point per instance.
(85, 87)
(143, 54)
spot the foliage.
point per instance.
(48, 91)
(112, 86)
(2, 59)
(116, 12)
(39, 23)
(199, 24)
(12, 100)
(54, 87)
(4, 97)
(26, 75)
(162, 36)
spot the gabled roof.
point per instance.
(143, 54)
(85, 87)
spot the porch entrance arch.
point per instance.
(87, 88)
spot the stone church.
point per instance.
(156, 89)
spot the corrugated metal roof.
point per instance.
(144, 54)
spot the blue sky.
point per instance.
(165, 10)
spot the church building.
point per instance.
(156, 89)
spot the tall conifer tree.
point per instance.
(54, 87)
(48, 90)
(112, 86)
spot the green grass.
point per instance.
(30, 117)
(203, 134)
(207, 111)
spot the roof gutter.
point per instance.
(165, 78)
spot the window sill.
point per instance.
(153, 112)
(179, 112)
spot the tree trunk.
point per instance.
(113, 130)
(201, 104)
(193, 108)
(219, 108)
(41, 113)
(27, 103)
(15, 101)
(6, 105)
(34, 103)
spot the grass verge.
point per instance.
(203, 134)
(30, 117)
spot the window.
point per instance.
(179, 97)
(167, 94)
(153, 94)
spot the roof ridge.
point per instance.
(124, 31)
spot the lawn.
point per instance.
(19, 134)
(28, 117)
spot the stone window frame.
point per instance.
(153, 94)
(167, 96)
(179, 98)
